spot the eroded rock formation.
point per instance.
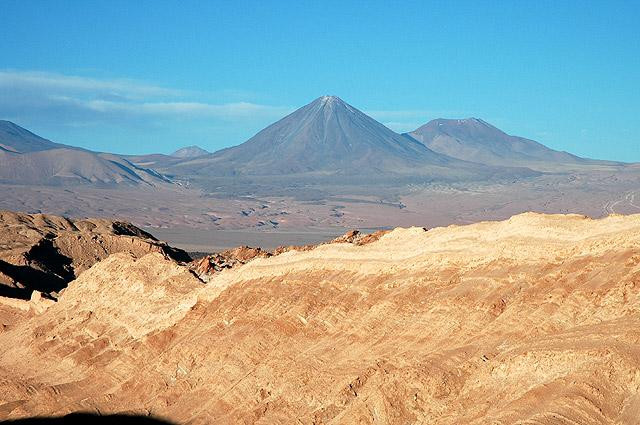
(530, 320)
(45, 252)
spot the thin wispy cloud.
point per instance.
(52, 82)
(74, 97)
(228, 110)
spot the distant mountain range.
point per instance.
(327, 137)
(26, 158)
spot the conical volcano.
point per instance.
(326, 136)
(329, 137)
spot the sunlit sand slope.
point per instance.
(535, 319)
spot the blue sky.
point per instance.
(143, 76)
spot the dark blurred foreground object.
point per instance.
(87, 418)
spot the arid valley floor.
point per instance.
(198, 220)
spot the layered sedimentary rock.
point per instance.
(209, 265)
(530, 320)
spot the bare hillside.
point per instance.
(28, 159)
(529, 320)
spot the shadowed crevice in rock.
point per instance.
(127, 229)
(31, 278)
(176, 254)
(47, 271)
(12, 291)
(46, 257)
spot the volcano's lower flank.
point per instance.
(530, 320)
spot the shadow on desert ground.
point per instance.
(87, 418)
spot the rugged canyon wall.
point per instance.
(45, 252)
